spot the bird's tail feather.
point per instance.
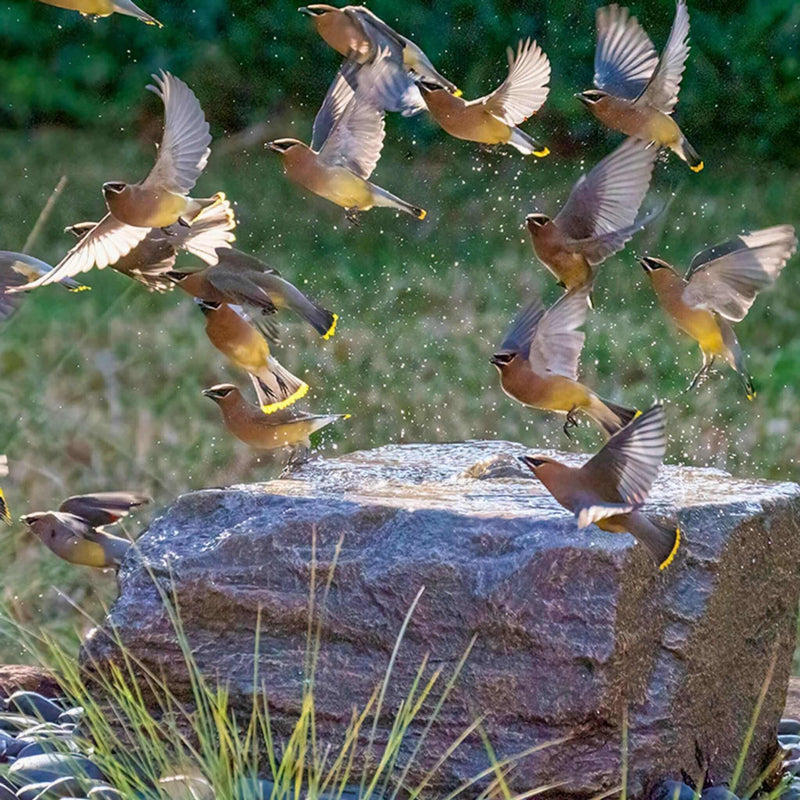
(735, 357)
(662, 541)
(384, 199)
(320, 319)
(5, 514)
(689, 155)
(277, 388)
(526, 145)
(610, 416)
(132, 10)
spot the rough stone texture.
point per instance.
(571, 625)
(21, 677)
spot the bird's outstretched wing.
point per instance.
(525, 89)
(727, 277)
(662, 88)
(607, 199)
(184, 149)
(557, 342)
(625, 58)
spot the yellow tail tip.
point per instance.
(285, 403)
(80, 288)
(671, 557)
(457, 93)
(545, 151)
(752, 395)
(332, 328)
(5, 514)
(637, 414)
(697, 167)
(346, 416)
(422, 214)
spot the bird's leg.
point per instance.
(700, 375)
(299, 455)
(352, 216)
(571, 422)
(167, 232)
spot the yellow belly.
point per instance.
(144, 208)
(342, 187)
(702, 326)
(474, 124)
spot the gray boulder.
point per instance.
(572, 626)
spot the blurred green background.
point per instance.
(101, 390)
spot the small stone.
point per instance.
(32, 790)
(792, 766)
(789, 740)
(52, 766)
(16, 722)
(106, 792)
(718, 793)
(73, 715)
(63, 787)
(16, 746)
(789, 727)
(672, 790)
(32, 704)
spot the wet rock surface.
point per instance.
(572, 626)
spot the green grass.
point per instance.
(101, 390)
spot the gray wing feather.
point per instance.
(625, 58)
(727, 277)
(101, 247)
(557, 344)
(184, 148)
(662, 89)
(340, 93)
(607, 199)
(525, 89)
(356, 138)
(624, 469)
(520, 334)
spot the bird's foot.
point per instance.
(352, 216)
(167, 232)
(571, 422)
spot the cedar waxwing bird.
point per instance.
(248, 423)
(493, 119)
(5, 514)
(16, 270)
(538, 363)
(149, 259)
(611, 487)
(720, 286)
(598, 218)
(74, 532)
(230, 331)
(104, 8)
(346, 143)
(240, 279)
(356, 33)
(162, 198)
(637, 91)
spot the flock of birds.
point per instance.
(148, 223)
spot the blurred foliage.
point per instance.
(247, 59)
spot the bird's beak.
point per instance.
(306, 10)
(496, 361)
(208, 393)
(525, 461)
(579, 96)
(272, 146)
(648, 264)
(26, 519)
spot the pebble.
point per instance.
(106, 792)
(792, 766)
(51, 767)
(35, 705)
(789, 740)
(718, 793)
(74, 715)
(790, 727)
(63, 787)
(672, 790)
(12, 723)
